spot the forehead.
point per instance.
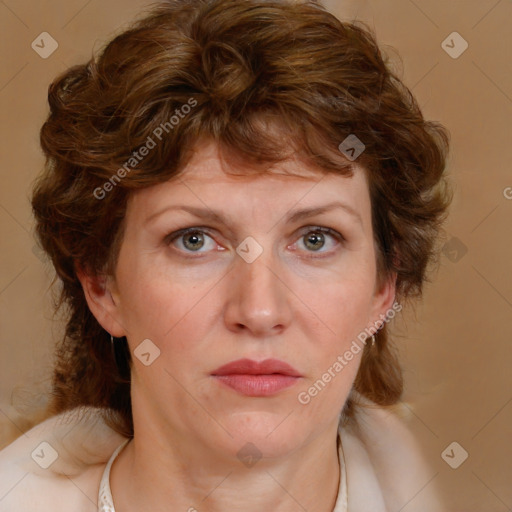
(214, 179)
(209, 166)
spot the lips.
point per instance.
(250, 367)
(253, 378)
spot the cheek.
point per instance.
(153, 300)
(333, 347)
(158, 308)
(340, 306)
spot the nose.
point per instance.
(258, 299)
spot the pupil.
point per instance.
(316, 241)
(196, 241)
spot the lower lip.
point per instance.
(257, 385)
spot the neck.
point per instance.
(169, 474)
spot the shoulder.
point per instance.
(395, 457)
(58, 463)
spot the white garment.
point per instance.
(105, 501)
(382, 467)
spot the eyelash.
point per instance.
(170, 238)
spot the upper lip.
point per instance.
(250, 367)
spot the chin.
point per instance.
(272, 436)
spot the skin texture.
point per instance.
(205, 308)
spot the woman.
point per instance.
(238, 196)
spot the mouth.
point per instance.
(252, 378)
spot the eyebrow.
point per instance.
(295, 216)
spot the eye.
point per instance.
(191, 240)
(319, 239)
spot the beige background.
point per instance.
(456, 348)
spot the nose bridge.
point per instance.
(258, 300)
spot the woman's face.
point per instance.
(273, 267)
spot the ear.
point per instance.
(103, 301)
(383, 299)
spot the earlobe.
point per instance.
(99, 294)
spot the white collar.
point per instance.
(363, 489)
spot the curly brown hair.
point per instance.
(234, 63)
